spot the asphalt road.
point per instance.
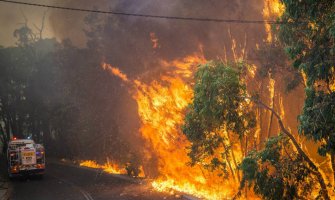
(65, 182)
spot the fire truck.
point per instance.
(24, 158)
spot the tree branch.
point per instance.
(299, 149)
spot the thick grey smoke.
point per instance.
(124, 35)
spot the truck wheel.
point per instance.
(10, 176)
(39, 176)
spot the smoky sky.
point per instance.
(13, 16)
(132, 34)
(126, 40)
(125, 34)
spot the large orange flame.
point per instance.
(161, 106)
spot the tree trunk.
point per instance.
(3, 139)
(315, 169)
(234, 159)
(271, 118)
(227, 159)
(7, 127)
(332, 159)
(242, 146)
(261, 139)
(246, 146)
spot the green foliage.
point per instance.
(309, 39)
(219, 105)
(272, 151)
(249, 166)
(293, 81)
(318, 119)
(219, 99)
(276, 175)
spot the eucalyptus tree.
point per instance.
(222, 104)
(308, 35)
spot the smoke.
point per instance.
(13, 16)
(125, 35)
(127, 42)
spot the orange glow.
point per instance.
(271, 90)
(271, 11)
(252, 69)
(108, 167)
(115, 71)
(281, 107)
(332, 84)
(161, 106)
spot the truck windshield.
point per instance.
(15, 146)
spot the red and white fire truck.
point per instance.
(25, 158)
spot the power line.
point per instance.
(237, 21)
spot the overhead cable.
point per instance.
(216, 20)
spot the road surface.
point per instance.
(65, 182)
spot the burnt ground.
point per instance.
(66, 182)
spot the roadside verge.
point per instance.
(4, 181)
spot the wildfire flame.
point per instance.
(161, 106)
(272, 10)
(108, 167)
(115, 71)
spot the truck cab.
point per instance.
(25, 157)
